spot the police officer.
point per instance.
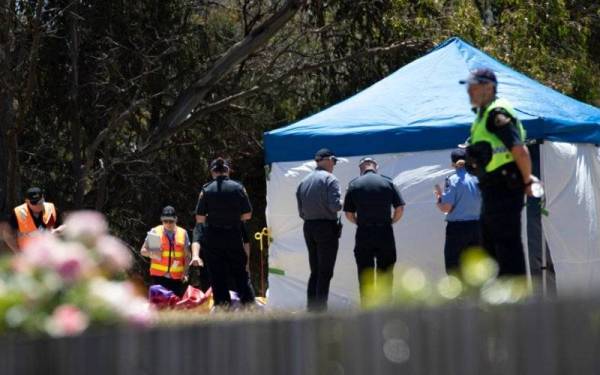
(461, 201)
(368, 203)
(498, 156)
(222, 205)
(201, 277)
(318, 197)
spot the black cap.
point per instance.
(324, 153)
(168, 213)
(34, 194)
(367, 159)
(219, 165)
(458, 154)
(480, 75)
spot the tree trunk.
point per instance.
(74, 112)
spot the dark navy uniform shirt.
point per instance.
(371, 197)
(223, 201)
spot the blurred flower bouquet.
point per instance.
(63, 284)
(476, 280)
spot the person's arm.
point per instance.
(398, 212)
(523, 160)
(504, 126)
(144, 250)
(10, 238)
(443, 199)
(349, 205)
(187, 255)
(196, 240)
(201, 209)
(246, 242)
(245, 205)
(247, 251)
(9, 233)
(59, 227)
(398, 203)
(299, 201)
(334, 195)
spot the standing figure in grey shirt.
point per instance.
(319, 200)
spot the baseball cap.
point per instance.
(168, 213)
(367, 159)
(480, 75)
(325, 153)
(34, 194)
(458, 154)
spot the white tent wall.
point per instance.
(571, 174)
(419, 235)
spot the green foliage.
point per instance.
(98, 60)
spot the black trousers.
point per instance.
(226, 259)
(176, 286)
(460, 235)
(322, 241)
(375, 254)
(501, 227)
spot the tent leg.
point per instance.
(543, 239)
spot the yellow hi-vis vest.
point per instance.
(27, 227)
(479, 133)
(172, 259)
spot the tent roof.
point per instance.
(422, 107)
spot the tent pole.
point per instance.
(544, 245)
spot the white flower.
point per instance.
(86, 226)
(115, 255)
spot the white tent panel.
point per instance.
(572, 183)
(419, 235)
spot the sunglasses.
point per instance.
(168, 221)
(332, 158)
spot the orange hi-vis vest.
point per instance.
(172, 258)
(27, 228)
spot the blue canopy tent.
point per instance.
(422, 107)
(411, 119)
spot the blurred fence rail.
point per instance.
(548, 338)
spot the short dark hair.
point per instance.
(219, 165)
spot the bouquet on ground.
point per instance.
(63, 284)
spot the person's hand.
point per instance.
(529, 185)
(58, 230)
(437, 192)
(196, 261)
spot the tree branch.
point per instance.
(194, 95)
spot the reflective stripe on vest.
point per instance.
(479, 133)
(172, 261)
(27, 228)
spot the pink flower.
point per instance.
(86, 226)
(115, 255)
(67, 320)
(39, 251)
(71, 261)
